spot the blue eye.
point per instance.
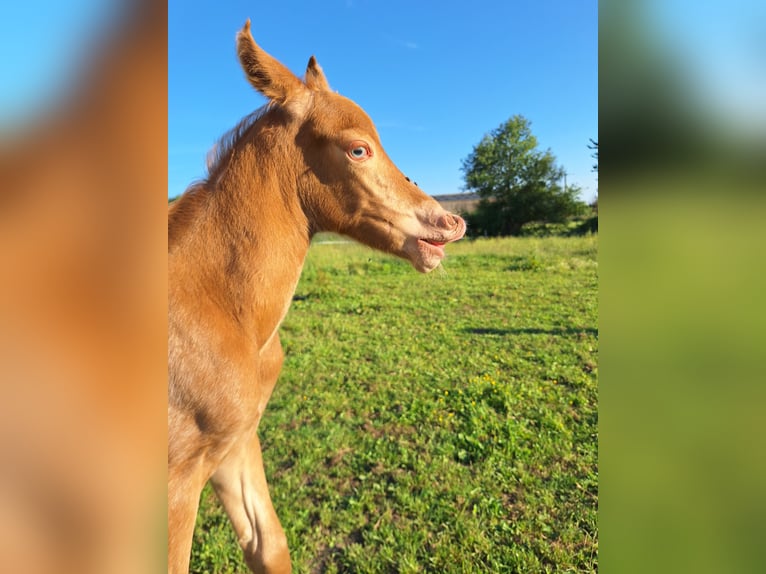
(358, 150)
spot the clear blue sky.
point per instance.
(433, 76)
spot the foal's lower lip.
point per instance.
(434, 248)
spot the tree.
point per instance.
(593, 145)
(517, 182)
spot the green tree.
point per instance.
(593, 145)
(517, 182)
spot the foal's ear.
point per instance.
(265, 73)
(315, 78)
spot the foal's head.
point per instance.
(347, 182)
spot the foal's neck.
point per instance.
(263, 238)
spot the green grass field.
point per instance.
(434, 423)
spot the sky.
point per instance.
(435, 77)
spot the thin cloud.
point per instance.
(408, 44)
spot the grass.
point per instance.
(440, 423)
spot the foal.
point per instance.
(310, 161)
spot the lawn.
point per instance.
(434, 423)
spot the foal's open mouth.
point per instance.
(432, 246)
(436, 246)
(437, 243)
(426, 252)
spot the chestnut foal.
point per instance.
(310, 161)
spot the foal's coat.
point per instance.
(310, 161)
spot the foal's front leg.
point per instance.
(240, 484)
(184, 488)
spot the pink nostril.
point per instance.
(447, 221)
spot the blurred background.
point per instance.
(683, 139)
(83, 175)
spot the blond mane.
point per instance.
(223, 148)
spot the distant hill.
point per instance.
(458, 202)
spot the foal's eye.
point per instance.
(358, 151)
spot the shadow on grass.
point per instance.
(530, 331)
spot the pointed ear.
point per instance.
(265, 73)
(315, 78)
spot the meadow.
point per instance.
(441, 423)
